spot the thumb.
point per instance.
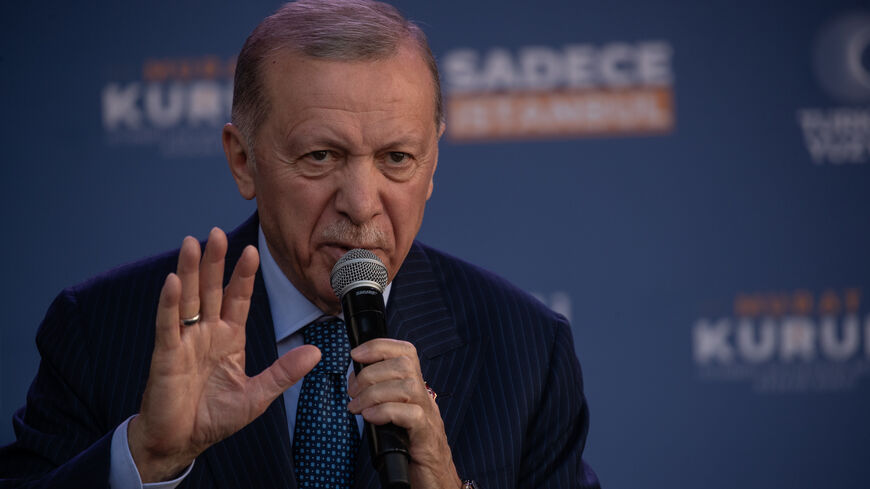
(285, 372)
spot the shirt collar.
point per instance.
(291, 311)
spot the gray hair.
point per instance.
(342, 30)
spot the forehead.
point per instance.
(397, 84)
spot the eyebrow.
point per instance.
(324, 135)
(405, 140)
(407, 137)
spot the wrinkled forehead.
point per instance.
(291, 75)
(400, 82)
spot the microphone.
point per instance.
(359, 279)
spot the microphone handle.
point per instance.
(365, 320)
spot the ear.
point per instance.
(441, 128)
(241, 166)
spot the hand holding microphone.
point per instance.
(403, 424)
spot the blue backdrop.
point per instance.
(687, 181)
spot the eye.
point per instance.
(319, 155)
(398, 157)
(318, 162)
(398, 165)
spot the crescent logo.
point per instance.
(840, 135)
(841, 58)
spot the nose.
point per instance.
(359, 191)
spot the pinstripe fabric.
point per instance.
(524, 429)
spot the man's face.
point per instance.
(344, 160)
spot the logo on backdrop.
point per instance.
(176, 105)
(841, 62)
(795, 341)
(613, 89)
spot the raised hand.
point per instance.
(390, 389)
(197, 392)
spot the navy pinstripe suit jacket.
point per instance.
(509, 384)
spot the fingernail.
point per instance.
(358, 351)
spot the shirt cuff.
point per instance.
(123, 473)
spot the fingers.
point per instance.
(202, 276)
(398, 390)
(237, 296)
(211, 275)
(384, 371)
(390, 388)
(386, 359)
(168, 334)
(408, 416)
(201, 280)
(188, 272)
(286, 371)
(381, 349)
(202, 289)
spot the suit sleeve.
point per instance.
(60, 441)
(553, 452)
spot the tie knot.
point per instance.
(330, 337)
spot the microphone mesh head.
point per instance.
(358, 266)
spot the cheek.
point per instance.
(407, 211)
(294, 206)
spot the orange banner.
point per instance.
(525, 115)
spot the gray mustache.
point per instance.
(365, 236)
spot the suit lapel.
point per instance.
(418, 313)
(259, 455)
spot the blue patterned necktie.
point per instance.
(326, 436)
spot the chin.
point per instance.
(324, 295)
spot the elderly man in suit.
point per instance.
(337, 115)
